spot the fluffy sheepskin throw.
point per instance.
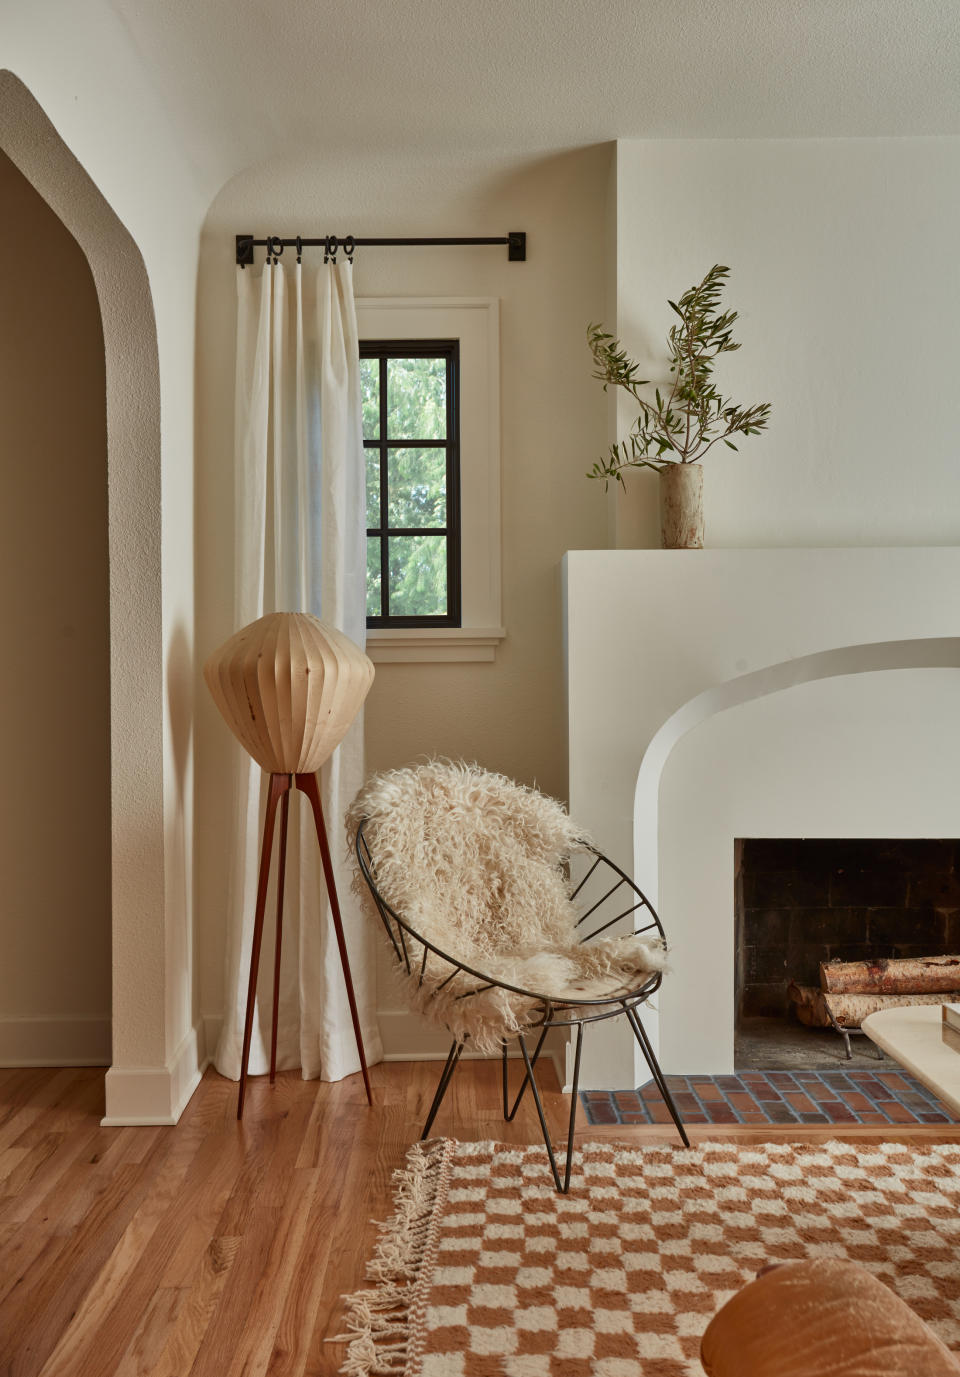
(476, 864)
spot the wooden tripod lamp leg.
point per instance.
(279, 786)
(281, 876)
(307, 783)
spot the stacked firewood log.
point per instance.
(851, 990)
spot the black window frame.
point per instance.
(448, 349)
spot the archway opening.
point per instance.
(55, 980)
(139, 1084)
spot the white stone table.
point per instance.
(912, 1037)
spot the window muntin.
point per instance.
(411, 424)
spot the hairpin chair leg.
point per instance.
(574, 1096)
(307, 783)
(640, 1034)
(279, 787)
(446, 1076)
(281, 876)
(510, 1114)
(565, 1186)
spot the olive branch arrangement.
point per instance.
(680, 427)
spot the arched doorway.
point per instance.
(54, 592)
(138, 942)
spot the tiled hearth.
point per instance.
(776, 1097)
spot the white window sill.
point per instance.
(427, 644)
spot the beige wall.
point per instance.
(508, 715)
(55, 838)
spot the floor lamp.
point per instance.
(288, 687)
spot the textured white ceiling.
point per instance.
(244, 80)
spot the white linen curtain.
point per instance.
(300, 545)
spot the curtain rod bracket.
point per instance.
(517, 246)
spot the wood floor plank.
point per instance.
(41, 1214)
(202, 1298)
(256, 1342)
(341, 1175)
(164, 1237)
(219, 1354)
(36, 1314)
(379, 1147)
(74, 1130)
(10, 1159)
(283, 1197)
(158, 1321)
(26, 1095)
(209, 1185)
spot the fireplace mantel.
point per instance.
(659, 641)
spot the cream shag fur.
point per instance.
(476, 864)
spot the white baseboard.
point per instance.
(141, 1095)
(55, 1042)
(408, 1037)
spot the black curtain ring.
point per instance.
(274, 246)
(299, 249)
(330, 249)
(349, 244)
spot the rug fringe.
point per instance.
(378, 1320)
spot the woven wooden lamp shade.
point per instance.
(289, 687)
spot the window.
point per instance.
(414, 333)
(411, 435)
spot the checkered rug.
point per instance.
(485, 1271)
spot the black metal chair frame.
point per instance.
(548, 1012)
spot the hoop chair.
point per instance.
(421, 960)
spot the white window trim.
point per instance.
(475, 322)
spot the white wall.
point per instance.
(509, 715)
(54, 585)
(78, 64)
(843, 267)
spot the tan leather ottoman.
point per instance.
(821, 1318)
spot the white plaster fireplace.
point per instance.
(718, 694)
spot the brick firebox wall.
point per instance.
(800, 902)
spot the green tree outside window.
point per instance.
(409, 431)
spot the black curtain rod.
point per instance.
(516, 242)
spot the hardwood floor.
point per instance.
(216, 1249)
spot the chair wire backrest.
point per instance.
(402, 936)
